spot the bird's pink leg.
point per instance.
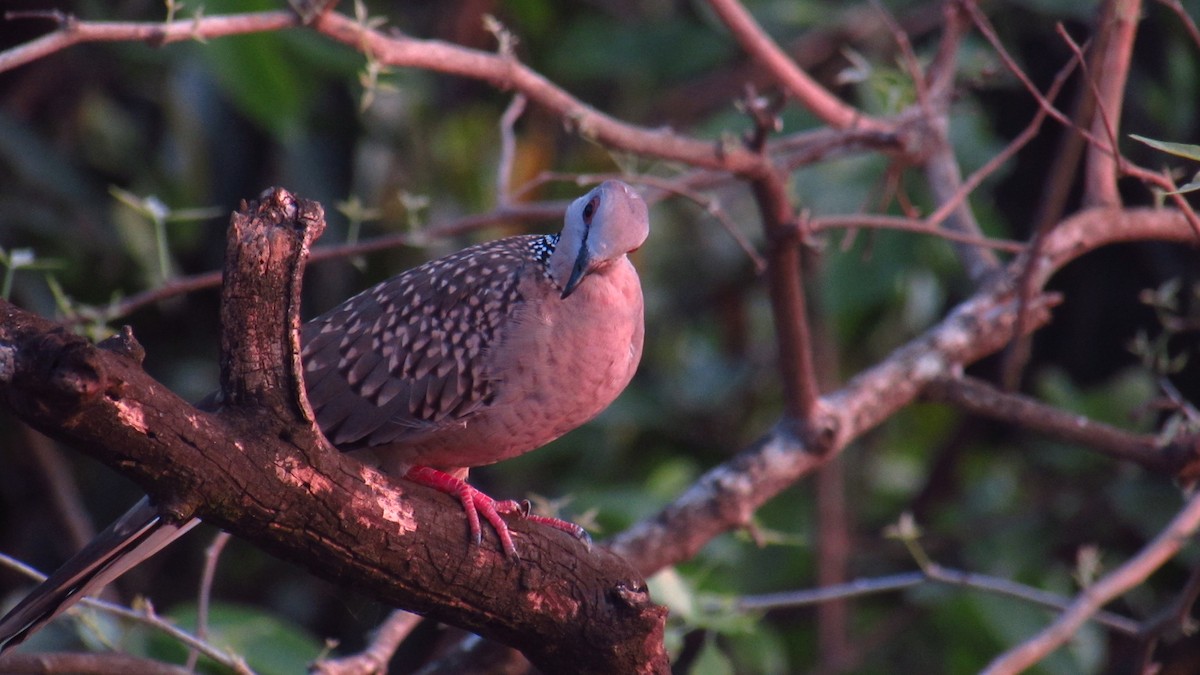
(476, 503)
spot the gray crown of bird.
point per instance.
(467, 360)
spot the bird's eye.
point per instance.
(589, 209)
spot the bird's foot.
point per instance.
(564, 525)
(476, 503)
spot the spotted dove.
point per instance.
(454, 364)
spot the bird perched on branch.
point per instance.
(467, 360)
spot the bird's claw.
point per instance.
(475, 503)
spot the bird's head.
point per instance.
(600, 227)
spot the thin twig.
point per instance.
(211, 555)
(1112, 585)
(940, 166)
(1185, 19)
(227, 659)
(508, 149)
(522, 213)
(798, 83)
(72, 31)
(374, 659)
(1049, 212)
(989, 33)
(907, 56)
(711, 205)
(933, 573)
(1022, 139)
(1177, 615)
(825, 223)
(1126, 167)
(980, 398)
(1114, 49)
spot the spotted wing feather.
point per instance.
(406, 357)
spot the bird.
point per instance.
(464, 361)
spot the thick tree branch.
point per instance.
(727, 496)
(261, 478)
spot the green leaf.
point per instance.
(1186, 150)
(269, 643)
(261, 81)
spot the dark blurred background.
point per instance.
(90, 135)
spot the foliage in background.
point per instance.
(117, 161)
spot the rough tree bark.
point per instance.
(259, 469)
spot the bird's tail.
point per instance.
(135, 536)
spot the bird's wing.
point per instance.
(408, 357)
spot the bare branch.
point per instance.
(72, 31)
(1022, 412)
(211, 555)
(774, 60)
(507, 73)
(826, 223)
(785, 281)
(373, 659)
(1114, 50)
(942, 172)
(508, 149)
(727, 496)
(1185, 19)
(1112, 585)
(146, 618)
(933, 573)
(283, 490)
(515, 213)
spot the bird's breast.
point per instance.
(557, 364)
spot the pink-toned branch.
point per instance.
(821, 224)
(940, 165)
(1185, 19)
(1021, 412)
(500, 70)
(374, 659)
(505, 72)
(786, 289)
(1151, 178)
(72, 31)
(1118, 28)
(798, 83)
(1094, 597)
(727, 496)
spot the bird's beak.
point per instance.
(582, 266)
